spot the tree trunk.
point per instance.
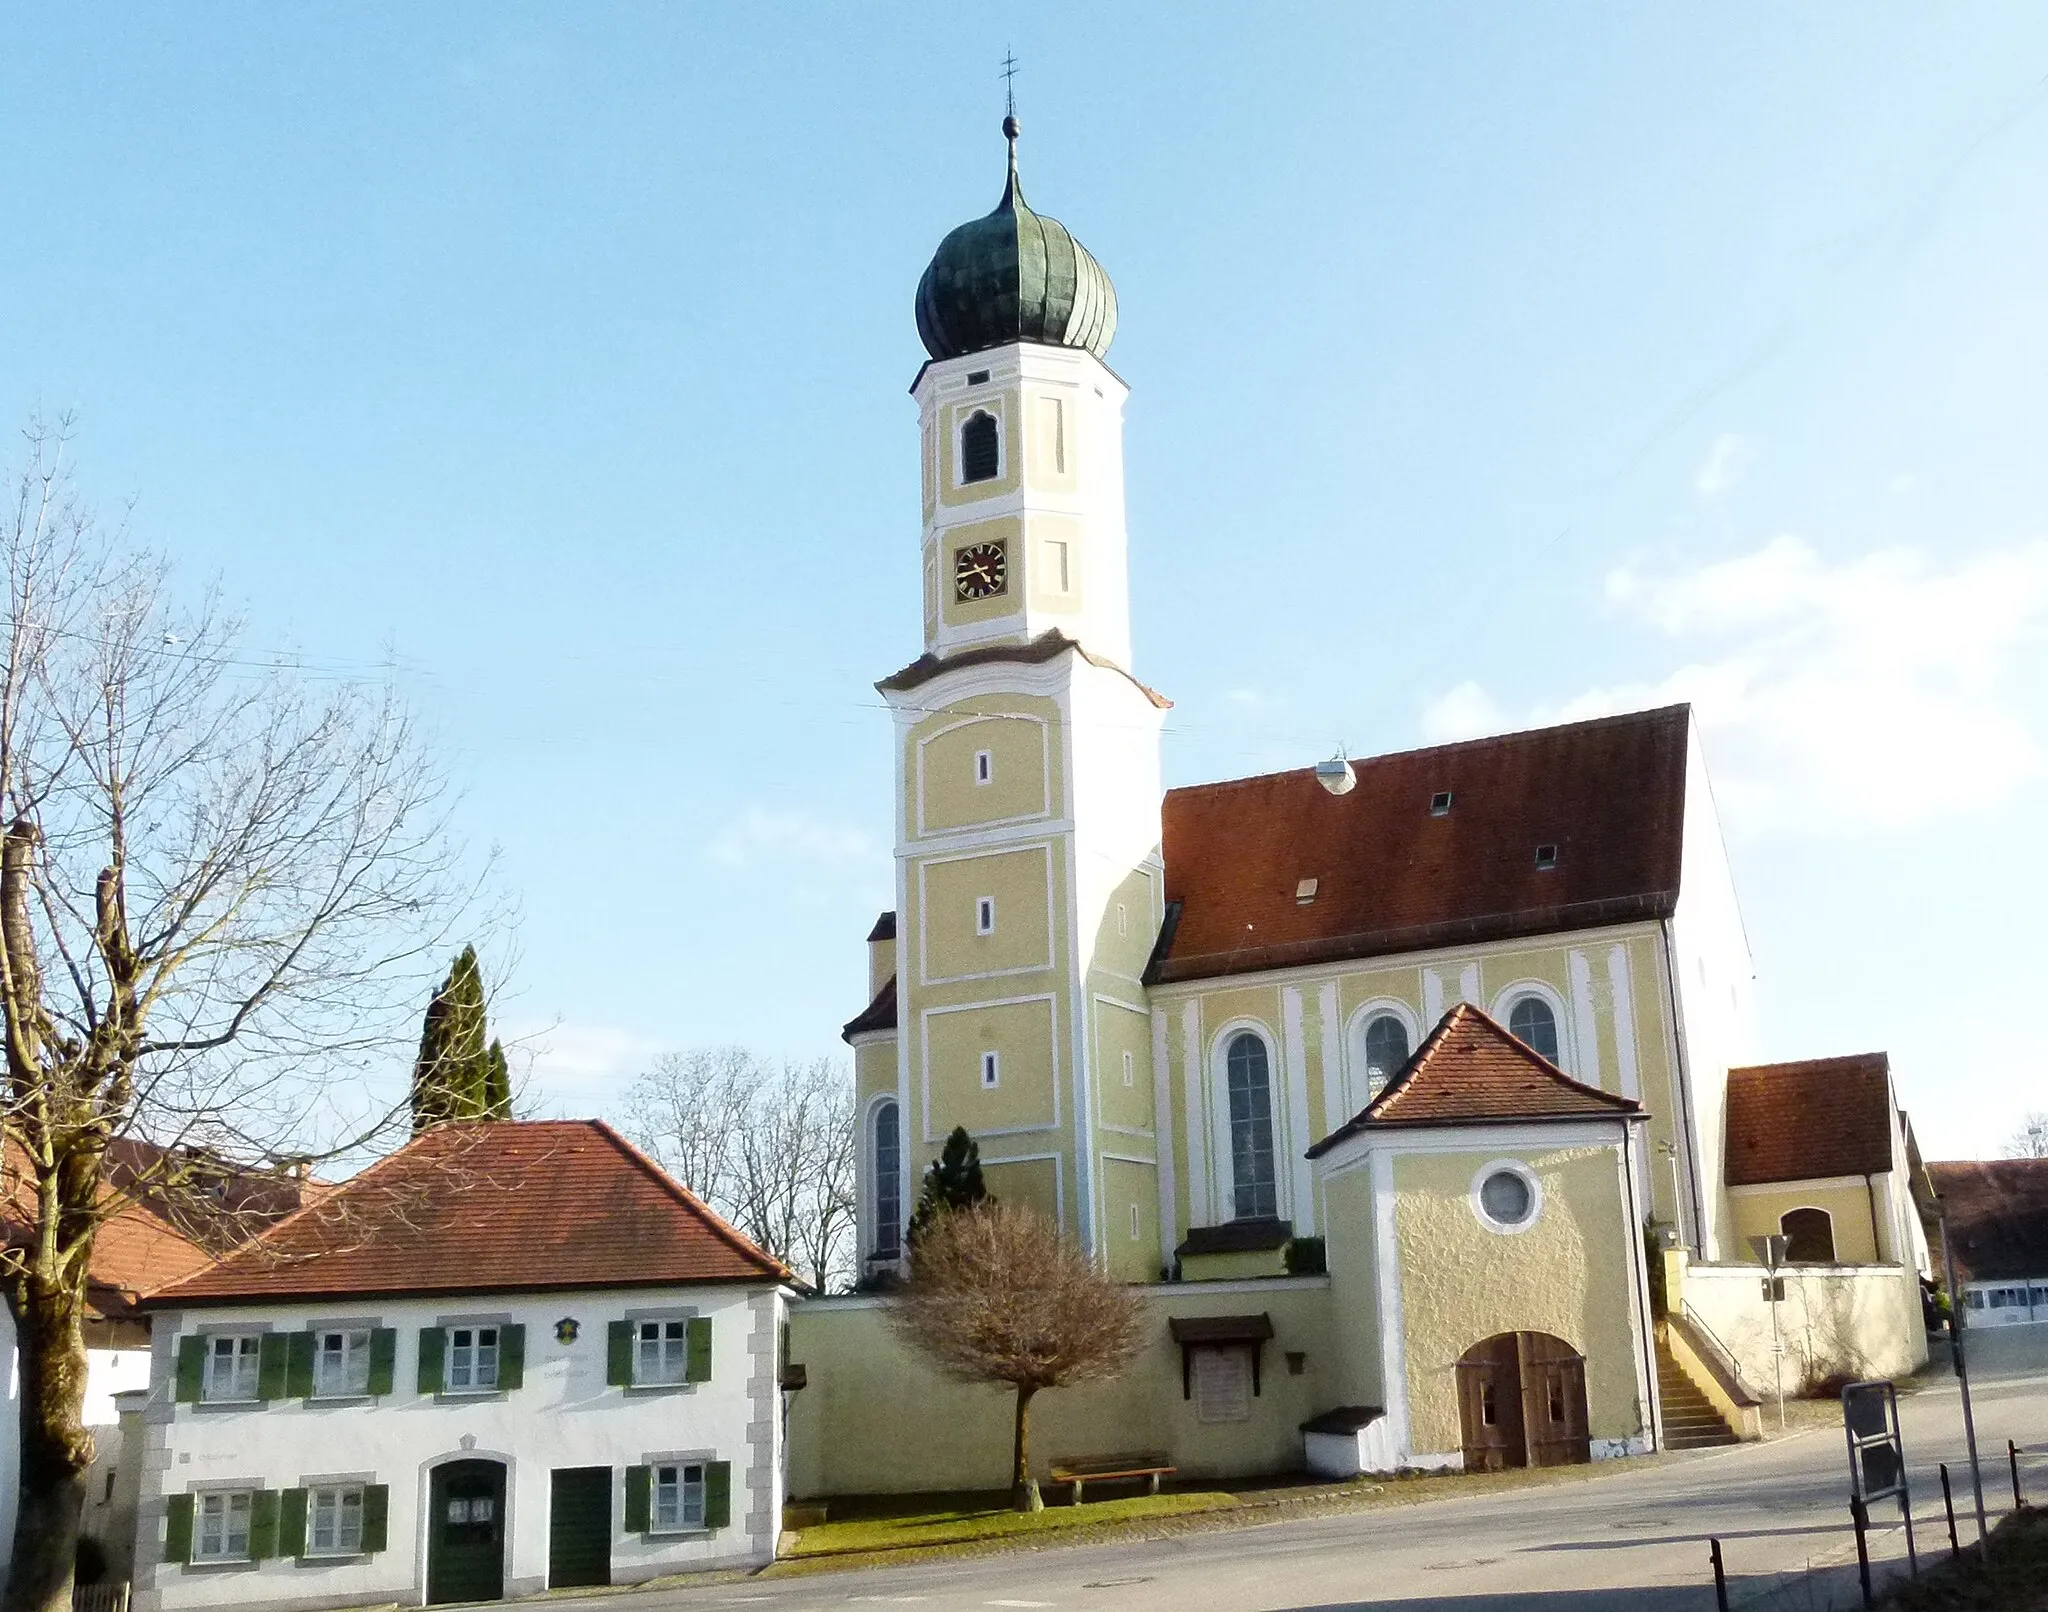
(56, 1450)
(1024, 1493)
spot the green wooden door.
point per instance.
(580, 1527)
(466, 1533)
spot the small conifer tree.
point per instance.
(457, 1075)
(953, 1181)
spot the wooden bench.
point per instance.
(1076, 1473)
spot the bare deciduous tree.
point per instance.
(770, 1147)
(218, 890)
(997, 1295)
(2030, 1141)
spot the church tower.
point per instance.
(1029, 881)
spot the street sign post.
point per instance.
(1877, 1456)
(1771, 1250)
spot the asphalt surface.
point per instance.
(1632, 1539)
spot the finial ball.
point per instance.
(1010, 128)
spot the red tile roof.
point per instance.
(1608, 794)
(1809, 1120)
(491, 1207)
(880, 1014)
(1470, 1071)
(1997, 1211)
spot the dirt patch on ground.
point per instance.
(2014, 1579)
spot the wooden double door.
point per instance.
(466, 1532)
(1522, 1402)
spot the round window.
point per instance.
(1507, 1198)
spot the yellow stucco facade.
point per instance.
(1851, 1207)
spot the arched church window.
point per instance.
(1534, 1025)
(1809, 1236)
(980, 458)
(888, 1181)
(1386, 1050)
(1255, 1191)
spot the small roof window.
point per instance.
(1546, 857)
(977, 377)
(1305, 891)
(1440, 803)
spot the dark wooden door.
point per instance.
(1490, 1405)
(580, 1527)
(1553, 1400)
(466, 1532)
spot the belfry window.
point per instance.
(980, 456)
(1532, 1023)
(888, 1181)
(1386, 1050)
(1255, 1191)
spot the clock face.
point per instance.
(981, 571)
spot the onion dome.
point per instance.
(1014, 276)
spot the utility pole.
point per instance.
(1771, 1250)
(1956, 1307)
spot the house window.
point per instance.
(341, 1364)
(980, 456)
(222, 1531)
(1123, 920)
(888, 1181)
(1130, 1070)
(991, 1069)
(1532, 1022)
(232, 1368)
(984, 766)
(472, 1359)
(1137, 1223)
(1506, 1198)
(334, 1520)
(664, 1355)
(1809, 1236)
(985, 915)
(1056, 552)
(1256, 1193)
(1440, 803)
(1386, 1050)
(1223, 1385)
(678, 1497)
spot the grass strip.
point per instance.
(2013, 1578)
(970, 1524)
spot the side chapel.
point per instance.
(1445, 1036)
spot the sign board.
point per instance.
(1774, 1290)
(1877, 1457)
(1770, 1251)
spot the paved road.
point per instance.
(1632, 1540)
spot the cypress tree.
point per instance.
(458, 1076)
(953, 1181)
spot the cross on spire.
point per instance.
(1009, 84)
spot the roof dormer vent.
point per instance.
(1305, 891)
(1546, 857)
(1440, 803)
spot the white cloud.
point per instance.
(1727, 458)
(1878, 693)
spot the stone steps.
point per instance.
(1690, 1420)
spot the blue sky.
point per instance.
(1489, 364)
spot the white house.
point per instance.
(510, 1357)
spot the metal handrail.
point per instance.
(1727, 1360)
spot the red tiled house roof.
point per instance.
(1470, 1071)
(879, 1014)
(1609, 795)
(497, 1207)
(1997, 1211)
(1809, 1120)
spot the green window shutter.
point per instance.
(511, 1356)
(699, 1362)
(618, 1354)
(376, 1515)
(639, 1499)
(433, 1350)
(298, 1366)
(383, 1360)
(191, 1374)
(291, 1523)
(717, 1494)
(263, 1510)
(272, 1357)
(178, 1529)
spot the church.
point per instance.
(1419, 1092)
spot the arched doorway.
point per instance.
(1522, 1402)
(466, 1532)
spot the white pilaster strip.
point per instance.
(1194, 1083)
(1294, 1050)
(1387, 1267)
(1468, 985)
(1623, 998)
(1432, 999)
(1336, 1107)
(1162, 1138)
(1585, 1022)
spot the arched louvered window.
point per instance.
(980, 457)
(1533, 1024)
(1809, 1236)
(1255, 1193)
(888, 1181)
(1386, 1050)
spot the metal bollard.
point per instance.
(1948, 1504)
(2012, 1454)
(1862, 1520)
(1720, 1577)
